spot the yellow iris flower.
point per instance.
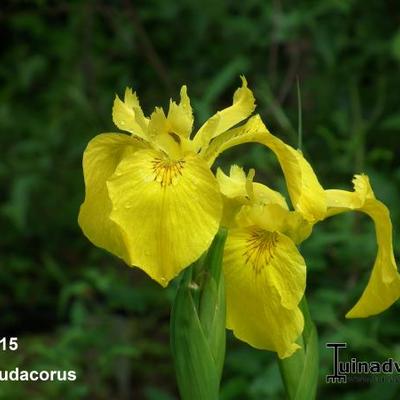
(265, 275)
(151, 198)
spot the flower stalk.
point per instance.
(300, 371)
(198, 326)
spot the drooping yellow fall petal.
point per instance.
(128, 115)
(180, 116)
(265, 279)
(383, 287)
(168, 210)
(242, 107)
(100, 159)
(306, 193)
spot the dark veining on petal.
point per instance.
(166, 171)
(260, 248)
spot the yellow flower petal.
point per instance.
(242, 107)
(158, 123)
(246, 133)
(265, 279)
(234, 185)
(180, 116)
(161, 135)
(235, 194)
(273, 217)
(128, 115)
(239, 186)
(100, 159)
(265, 195)
(168, 210)
(383, 288)
(306, 193)
(239, 191)
(164, 135)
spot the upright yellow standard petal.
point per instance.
(265, 279)
(306, 193)
(383, 288)
(242, 107)
(240, 192)
(161, 135)
(180, 116)
(234, 185)
(100, 159)
(234, 189)
(128, 115)
(168, 210)
(239, 186)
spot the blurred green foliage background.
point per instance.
(73, 306)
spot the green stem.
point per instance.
(300, 371)
(198, 326)
(300, 117)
